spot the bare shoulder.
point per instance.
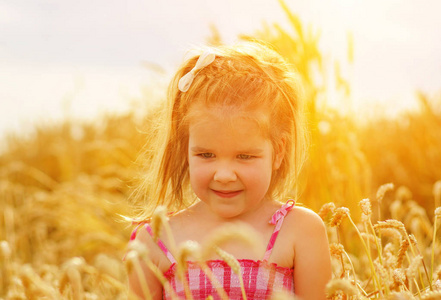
(307, 229)
(311, 253)
(304, 220)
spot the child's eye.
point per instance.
(206, 155)
(244, 156)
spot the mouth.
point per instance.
(227, 194)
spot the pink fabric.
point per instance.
(277, 219)
(260, 278)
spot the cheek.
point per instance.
(260, 176)
(199, 174)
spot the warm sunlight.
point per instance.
(395, 49)
(112, 188)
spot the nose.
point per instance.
(225, 173)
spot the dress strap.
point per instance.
(277, 219)
(159, 242)
(161, 245)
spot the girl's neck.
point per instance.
(263, 211)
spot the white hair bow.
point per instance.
(204, 60)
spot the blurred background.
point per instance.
(83, 58)
(79, 84)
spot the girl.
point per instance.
(233, 145)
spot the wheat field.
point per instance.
(64, 188)
(376, 184)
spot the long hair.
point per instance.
(246, 77)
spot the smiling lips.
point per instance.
(227, 194)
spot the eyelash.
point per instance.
(245, 156)
(211, 155)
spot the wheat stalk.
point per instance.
(235, 267)
(186, 249)
(132, 263)
(140, 252)
(437, 215)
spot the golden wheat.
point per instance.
(63, 187)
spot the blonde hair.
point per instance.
(248, 77)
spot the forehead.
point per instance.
(227, 134)
(229, 117)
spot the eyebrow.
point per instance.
(199, 149)
(248, 151)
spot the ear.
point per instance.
(279, 153)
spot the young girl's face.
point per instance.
(230, 162)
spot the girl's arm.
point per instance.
(154, 287)
(312, 261)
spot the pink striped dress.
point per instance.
(260, 278)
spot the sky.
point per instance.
(83, 58)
